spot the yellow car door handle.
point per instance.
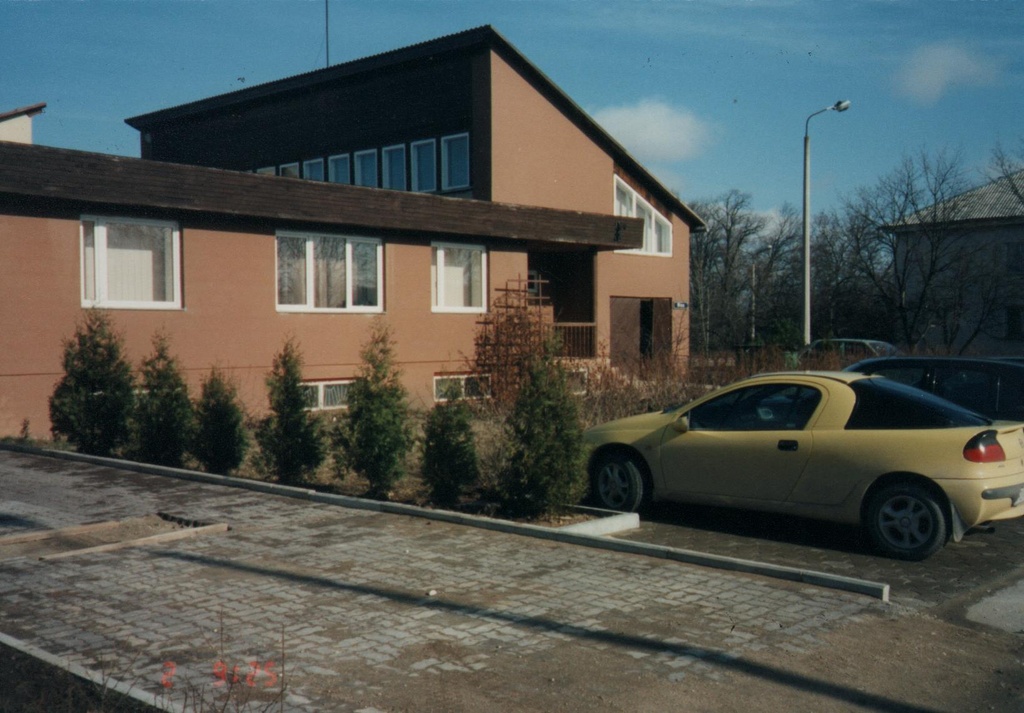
(786, 445)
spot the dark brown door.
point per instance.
(641, 329)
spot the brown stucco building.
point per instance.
(415, 184)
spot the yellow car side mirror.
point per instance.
(682, 424)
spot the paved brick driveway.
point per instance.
(350, 607)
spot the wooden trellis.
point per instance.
(515, 329)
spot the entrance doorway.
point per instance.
(641, 330)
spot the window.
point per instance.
(461, 386)
(888, 405)
(774, 407)
(455, 162)
(131, 264)
(394, 167)
(267, 171)
(289, 170)
(366, 168)
(459, 278)
(328, 273)
(313, 169)
(339, 169)
(424, 165)
(657, 230)
(326, 395)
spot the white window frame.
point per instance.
(389, 155)
(432, 145)
(100, 268)
(357, 177)
(446, 181)
(307, 167)
(310, 302)
(483, 379)
(437, 278)
(289, 170)
(317, 402)
(332, 168)
(637, 207)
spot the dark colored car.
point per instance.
(991, 387)
(849, 348)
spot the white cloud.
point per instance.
(933, 69)
(655, 131)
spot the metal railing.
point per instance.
(579, 339)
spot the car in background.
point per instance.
(991, 387)
(913, 469)
(847, 349)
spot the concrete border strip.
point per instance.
(98, 679)
(184, 533)
(877, 590)
(39, 535)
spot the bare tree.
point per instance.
(776, 270)
(718, 274)
(1009, 168)
(907, 235)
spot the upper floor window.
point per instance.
(394, 167)
(366, 168)
(313, 169)
(455, 162)
(289, 170)
(267, 171)
(424, 165)
(657, 230)
(339, 169)
(329, 273)
(131, 264)
(459, 278)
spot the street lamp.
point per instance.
(841, 105)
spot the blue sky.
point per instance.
(710, 94)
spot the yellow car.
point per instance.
(913, 469)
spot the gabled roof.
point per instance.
(41, 178)
(468, 40)
(1000, 200)
(29, 111)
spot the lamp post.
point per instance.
(841, 105)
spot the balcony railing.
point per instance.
(579, 339)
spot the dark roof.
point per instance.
(41, 176)
(31, 110)
(485, 36)
(1000, 200)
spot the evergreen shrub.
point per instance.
(221, 439)
(91, 405)
(290, 437)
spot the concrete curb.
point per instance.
(97, 679)
(567, 534)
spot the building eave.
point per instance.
(53, 175)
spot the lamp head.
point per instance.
(841, 105)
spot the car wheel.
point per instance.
(618, 482)
(906, 521)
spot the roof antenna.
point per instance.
(327, 30)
